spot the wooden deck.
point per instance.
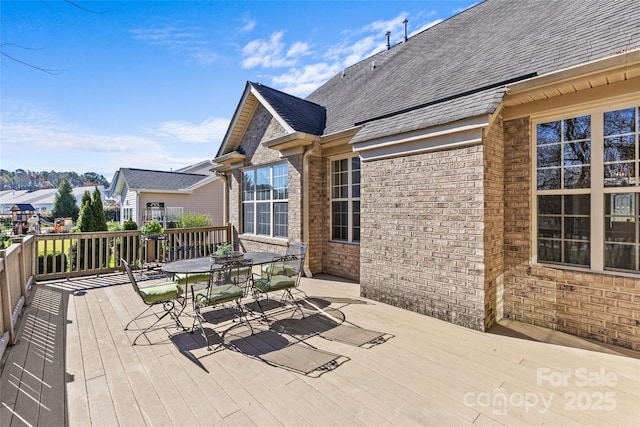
(350, 361)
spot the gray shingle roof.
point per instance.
(489, 43)
(301, 115)
(142, 179)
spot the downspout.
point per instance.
(305, 203)
(225, 197)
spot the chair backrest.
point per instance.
(298, 249)
(287, 265)
(237, 273)
(130, 273)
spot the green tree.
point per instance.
(98, 211)
(64, 205)
(86, 220)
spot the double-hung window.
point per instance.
(588, 191)
(345, 199)
(265, 204)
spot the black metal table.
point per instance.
(206, 264)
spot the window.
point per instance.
(265, 205)
(345, 199)
(587, 190)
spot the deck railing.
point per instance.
(53, 256)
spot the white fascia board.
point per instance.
(234, 120)
(451, 135)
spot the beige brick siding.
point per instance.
(494, 221)
(263, 127)
(602, 307)
(423, 234)
(318, 215)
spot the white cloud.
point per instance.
(210, 130)
(302, 81)
(298, 49)
(34, 138)
(307, 70)
(267, 53)
(248, 25)
(188, 42)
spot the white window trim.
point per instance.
(271, 202)
(350, 199)
(597, 189)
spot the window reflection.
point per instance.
(563, 154)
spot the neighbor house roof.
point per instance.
(461, 66)
(158, 181)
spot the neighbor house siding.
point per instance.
(422, 242)
(207, 199)
(591, 305)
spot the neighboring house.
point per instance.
(166, 196)
(485, 168)
(42, 200)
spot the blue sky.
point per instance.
(90, 86)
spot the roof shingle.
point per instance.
(491, 42)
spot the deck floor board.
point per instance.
(75, 365)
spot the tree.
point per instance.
(98, 211)
(64, 205)
(86, 220)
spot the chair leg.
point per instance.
(295, 301)
(198, 317)
(243, 314)
(139, 316)
(147, 329)
(256, 299)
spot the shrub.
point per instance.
(194, 219)
(60, 263)
(129, 225)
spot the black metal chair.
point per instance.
(228, 284)
(281, 275)
(164, 294)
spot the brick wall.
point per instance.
(318, 217)
(423, 234)
(263, 127)
(604, 307)
(494, 222)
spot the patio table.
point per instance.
(206, 264)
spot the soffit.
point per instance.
(240, 123)
(604, 72)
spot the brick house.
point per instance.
(485, 168)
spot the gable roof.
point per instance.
(294, 114)
(158, 181)
(460, 66)
(301, 115)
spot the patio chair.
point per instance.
(164, 294)
(281, 275)
(228, 284)
(297, 249)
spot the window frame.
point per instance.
(350, 199)
(597, 190)
(258, 200)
